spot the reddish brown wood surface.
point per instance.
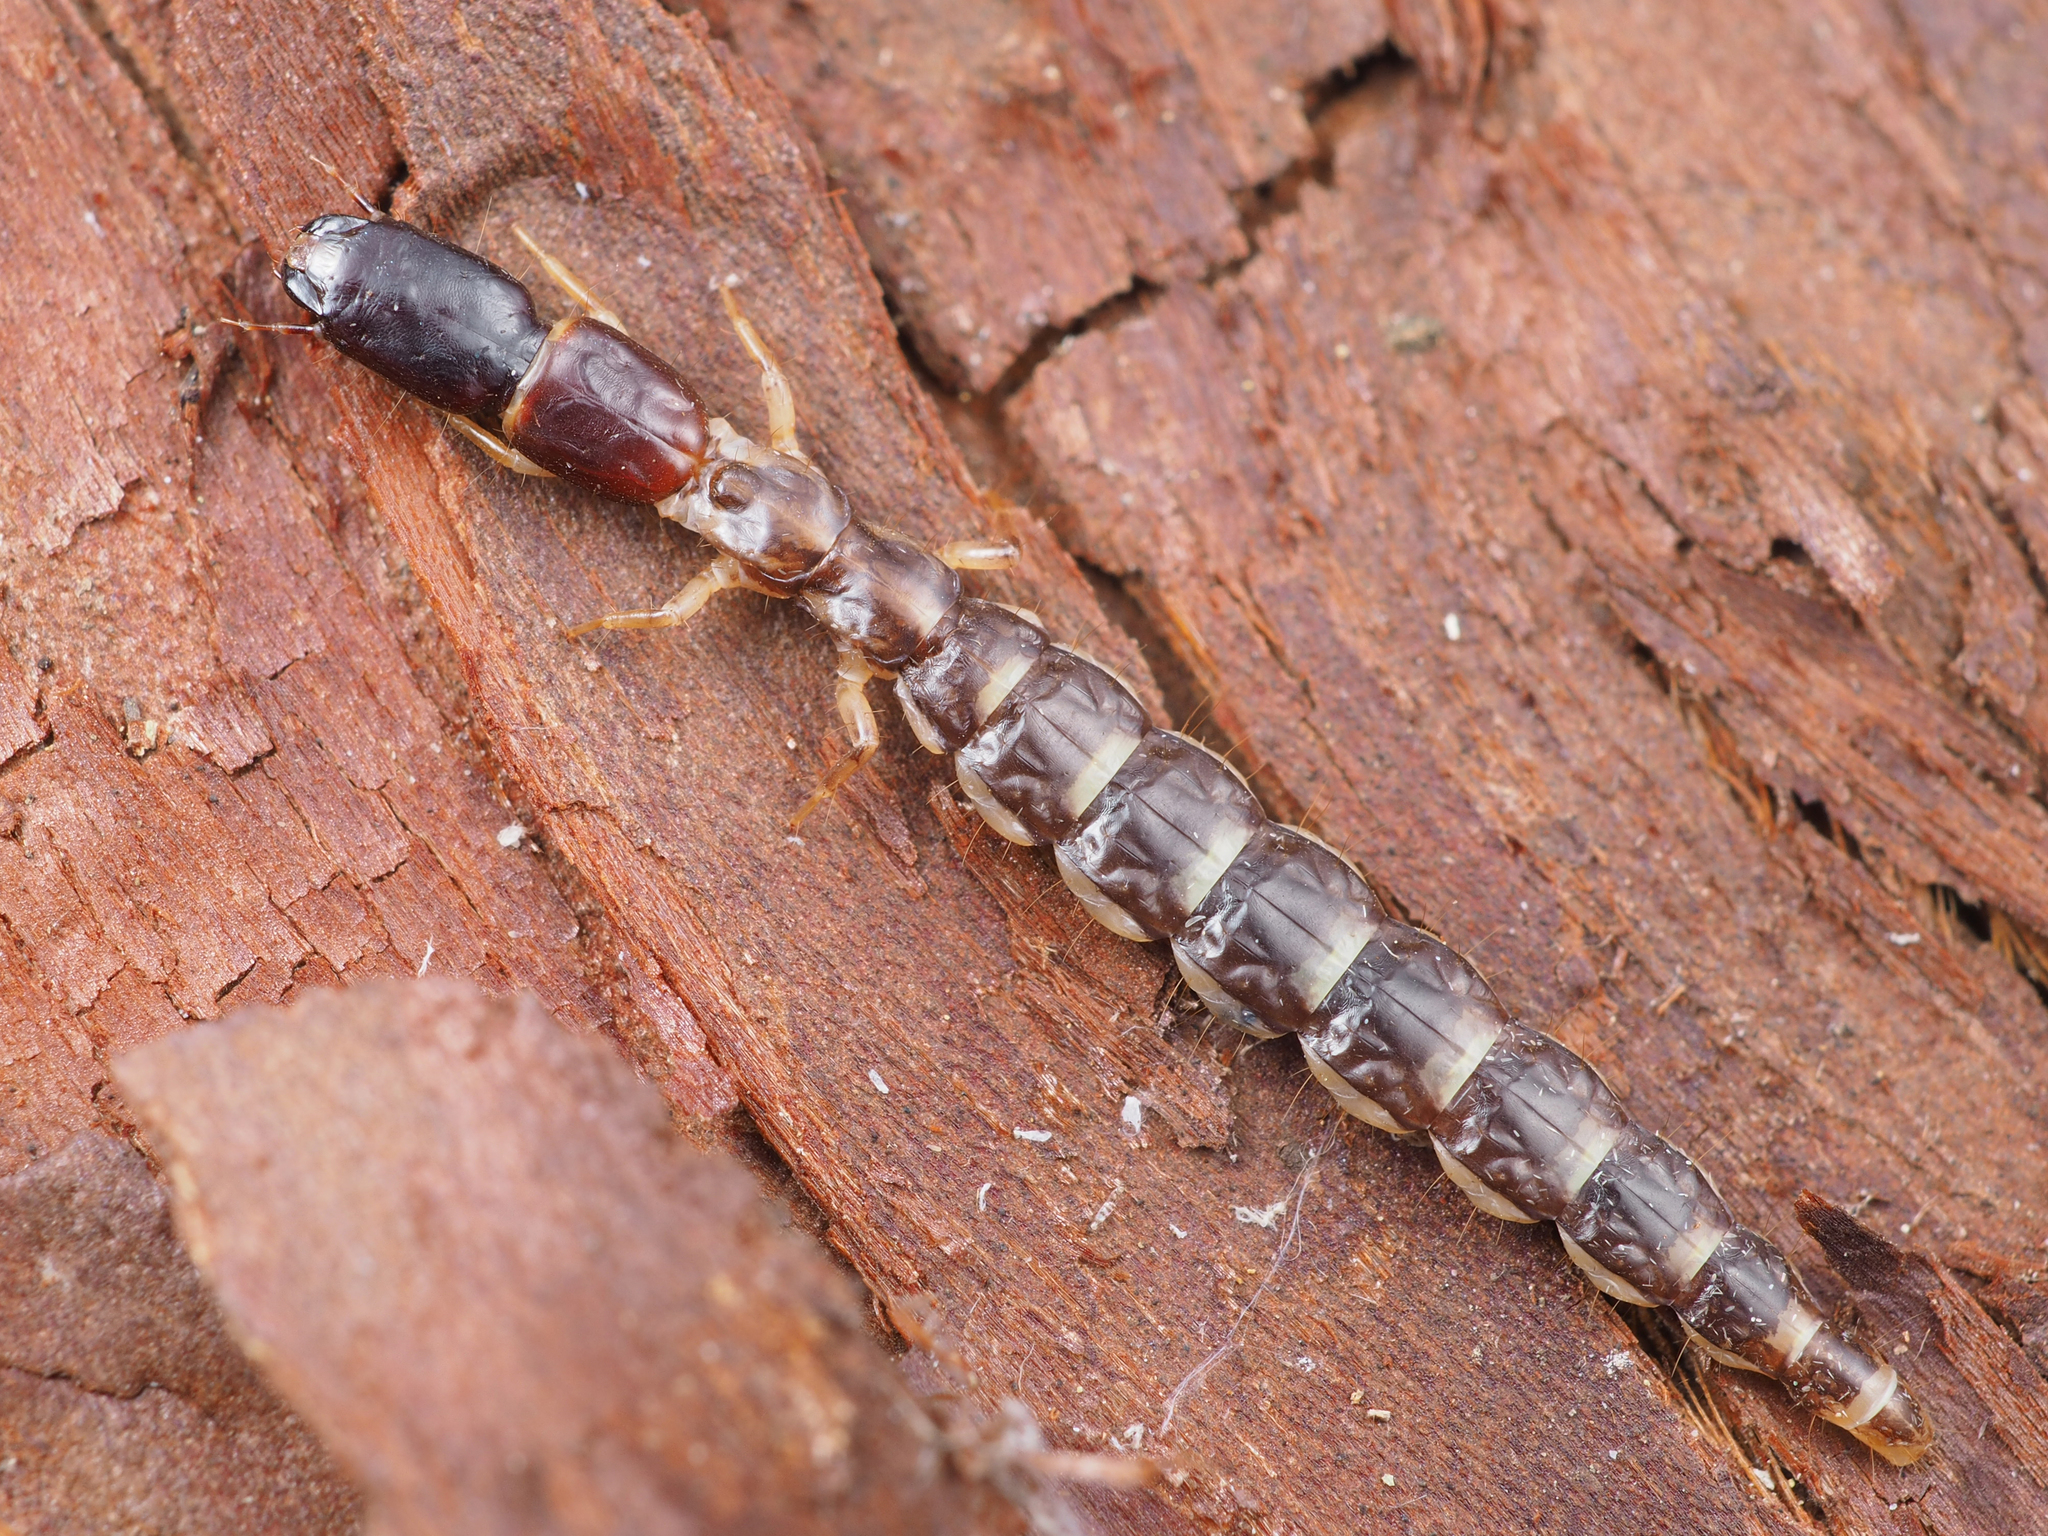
(506, 1293)
(128, 1403)
(1593, 471)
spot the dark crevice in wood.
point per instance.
(1326, 103)
(1107, 315)
(1329, 104)
(1974, 917)
(396, 175)
(1125, 601)
(177, 127)
(2023, 948)
(1325, 98)
(1003, 463)
(1956, 920)
(1790, 550)
(999, 460)
(739, 1134)
(1122, 603)
(1815, 814)
(1690, 1374)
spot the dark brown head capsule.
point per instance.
(436, 320)
(580, 399)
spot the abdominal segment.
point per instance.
(1278, 934)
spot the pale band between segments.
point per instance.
(1096, 773)
(1448, 1071)
(1008, 673)
(1866, 1405)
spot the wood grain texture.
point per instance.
(125, 1404)
(1593, 472)
(1018, 165)
(475, 1252)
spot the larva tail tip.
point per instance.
(1899, 1431)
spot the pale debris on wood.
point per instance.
(1102, 1212)
(1265, 1216)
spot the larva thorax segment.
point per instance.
(883, 597)
(772, 512)
(598, 408)
(578, 399)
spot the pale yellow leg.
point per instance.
(498, 448)
(859, 719)
(774, 386)
(570, 283)
(978, 554)
(721, 575)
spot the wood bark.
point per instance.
(516, 1299)
(1588, 462)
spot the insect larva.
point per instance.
(1159, 838)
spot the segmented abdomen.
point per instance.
(1159, 838)
(1276, 933)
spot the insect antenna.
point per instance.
(254, 325)
(369, 208)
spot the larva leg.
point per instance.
(498, 448)
(775, 392)
(721, 575)
(978, 554)
(858, 716)
(569, 282)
